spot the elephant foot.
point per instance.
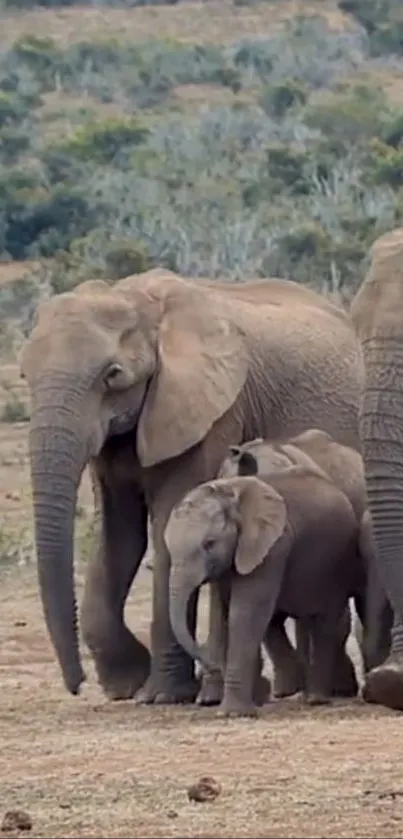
(261, 690)
(287, 682)
(231, 706)
(345, 680)
(384, 685)
(156, 692)
(211, 691)
(119, 678)
(317, 698)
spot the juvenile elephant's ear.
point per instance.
(263, 519)
(202, 367)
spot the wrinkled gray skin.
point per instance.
(148, 381)
(377, 313)
(284, 545)
(345, 468)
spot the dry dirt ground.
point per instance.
(85, 767)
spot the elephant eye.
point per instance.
(208, 544)
(112, 374)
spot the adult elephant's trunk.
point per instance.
(57, 457)
(180, 593)
(381, 430)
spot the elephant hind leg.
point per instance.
(345, 682)
(288, 668)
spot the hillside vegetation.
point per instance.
(223, 138)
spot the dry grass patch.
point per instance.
(216, 21)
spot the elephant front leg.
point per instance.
(122, 662)
(249, 615)
(384, 683)
(211, 690)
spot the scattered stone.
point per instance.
(13, 496)
(206, 789)
(16, 820)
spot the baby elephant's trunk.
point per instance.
(179, 597)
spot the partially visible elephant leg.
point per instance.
(288, 668)
(373, 607)
(149, 555)
(344, 677)
(211, 691)
(326, 635)
(172, 679)
(384, 683)
(212, 686)
(122, 662)
(377, 640)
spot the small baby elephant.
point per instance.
(283, 545)
(344, 466)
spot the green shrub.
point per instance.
(277, 99)
(287, 164)
(125, 258)
(392, 132)
(39, 222)
(383, 21)
(13, 143)
(349, 115)
(101, 141)
(39, 55)
(385, 164)
(13, 108)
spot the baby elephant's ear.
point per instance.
(263, 519)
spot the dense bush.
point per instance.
(383, 21)
(105, 170)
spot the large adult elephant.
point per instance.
(377, 312)
(149, 381)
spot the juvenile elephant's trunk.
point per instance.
(57, 458)
(180, 594)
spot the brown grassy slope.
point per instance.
(216, 21)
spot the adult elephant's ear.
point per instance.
(263, 518)
(91, 287)
(202, 367)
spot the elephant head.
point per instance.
(221, 525)
(263, 457)
(153, 355)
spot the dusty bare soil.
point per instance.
(85, 767)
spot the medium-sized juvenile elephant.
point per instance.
(345, 467)
(284, 545)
